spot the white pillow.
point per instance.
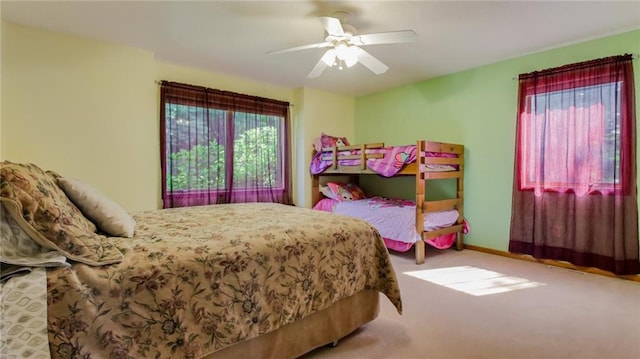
(106, 214)
(326, 191)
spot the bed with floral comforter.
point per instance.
(193, 282)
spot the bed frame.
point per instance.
(412, 169)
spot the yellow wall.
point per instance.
(320, 111)
(84, 109)
(1, 94)
(90, 110)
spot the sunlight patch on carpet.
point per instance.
(472, 280)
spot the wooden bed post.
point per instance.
(420, 251)
(460, 207)
(315, 190)
(420, 189)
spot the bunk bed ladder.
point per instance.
(423, 206)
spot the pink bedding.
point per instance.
(394, 219)
(394, 159)
(389, 165)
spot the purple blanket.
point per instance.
(393, 160)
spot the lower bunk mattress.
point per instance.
(395, 220)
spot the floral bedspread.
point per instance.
(196, 280)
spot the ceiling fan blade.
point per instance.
(370, 62)
(303, 47)
(317, 70)
(332, 25)
(392, 37)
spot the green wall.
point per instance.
(476, 108)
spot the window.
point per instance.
(221, 147)
(203, 145)
(574, 184)
(571, 133)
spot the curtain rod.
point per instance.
(633, 57)
(159, 82)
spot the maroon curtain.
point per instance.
(222, 147)
(574, 187)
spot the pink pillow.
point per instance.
(345, 192)
(326, 204)
(330, 141)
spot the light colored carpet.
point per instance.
(516, 309)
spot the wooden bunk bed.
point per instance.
(353, 161)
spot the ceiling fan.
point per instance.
(345, 46)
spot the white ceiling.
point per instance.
(233, 37)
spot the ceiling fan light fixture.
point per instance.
(342, 50)
(350, 61)
(329, 57)
(346, 53)
(352, 56)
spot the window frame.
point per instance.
(230, 152)
(212, 99)
(565, 78)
